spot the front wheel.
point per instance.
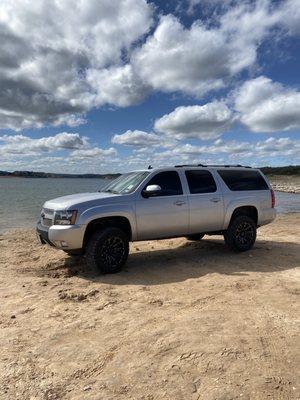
(107, 250)
(241, 233)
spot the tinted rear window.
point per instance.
(243, 180)
(200, 181)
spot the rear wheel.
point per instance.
(196, 236)
(107, 250)
(241, 233)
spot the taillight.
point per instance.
(272, 198)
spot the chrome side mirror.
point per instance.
(151, 191)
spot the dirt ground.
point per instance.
(184, 320)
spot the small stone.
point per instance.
(93, 292)
(13, 316)
(81, 297)
(86, 388)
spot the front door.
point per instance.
(166, 214)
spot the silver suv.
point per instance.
(185, 200)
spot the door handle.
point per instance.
(179, 203)
(215, 200)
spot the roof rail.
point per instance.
(229, 165)
(187, 165)
(213, 165)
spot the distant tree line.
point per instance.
(288, 170)
(32, 174)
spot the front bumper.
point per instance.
(42, 234)
(64, 237)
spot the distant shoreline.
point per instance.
(32, 174)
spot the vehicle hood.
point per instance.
(82, 200)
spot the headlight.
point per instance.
(65, 217)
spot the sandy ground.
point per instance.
(184, 320)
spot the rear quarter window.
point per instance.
(243, 180)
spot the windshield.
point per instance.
(126, 183)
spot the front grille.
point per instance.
(47, 217)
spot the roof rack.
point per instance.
(189, 165)
(213, 165)
(228, 165)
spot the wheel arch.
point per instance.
(113, 221)
(248, 210)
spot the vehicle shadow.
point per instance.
(194, 260)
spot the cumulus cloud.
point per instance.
(60, 59)
(209, 54)
(233, 152)
(271, 147)
(19, 144)
(204, 122)
(120, 86)
(267, 106)
(204, 57)
(48, 48)
(136, 138)
(77, 147)
(95, 152)
(289, 14)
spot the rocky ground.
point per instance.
(184, 320)
(286, 183)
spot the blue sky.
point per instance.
(117, 85)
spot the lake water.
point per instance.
(21, 199)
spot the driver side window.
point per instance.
(169, 182)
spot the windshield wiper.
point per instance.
(109, 191)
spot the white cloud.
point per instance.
(267, 106)
(59, 59)
(77, 147)
(262, 152)
(119, 86)
(271, 147)
(48, 48)
(204, 122)
(290, 16)
(209, 54)
(136, 138)
(24, 145)
(204, 57)
(95, 152)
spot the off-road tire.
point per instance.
(241, 233)
(107, 250)
(196, 236)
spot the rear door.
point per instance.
(205, 200)
(166, 215)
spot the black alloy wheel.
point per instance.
(241, 233)
(107, 250)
